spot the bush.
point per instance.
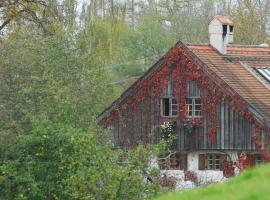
(56, 161)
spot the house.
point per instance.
(214, 98)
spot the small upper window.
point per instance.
(225, 26)
(194, 107)
(169, 107)
(193, 102)
(231, 28)
(170, 85)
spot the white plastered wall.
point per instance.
(204, 176)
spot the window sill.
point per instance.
(169, 116)
(190, 117)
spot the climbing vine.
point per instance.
(184, 69)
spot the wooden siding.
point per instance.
(234, 132)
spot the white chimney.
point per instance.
(221, 33)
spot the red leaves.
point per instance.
(260, 143)
(191, 176)
(183, 71)
(246, 161)
(212, 135)
(228, 168)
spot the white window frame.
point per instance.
(171, 104)
(213, 165)
(193, 107)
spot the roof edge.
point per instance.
(259, 117)
(127, 92)
(212, 75)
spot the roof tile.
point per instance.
(236, 75)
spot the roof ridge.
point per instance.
(247, 46)
(200, 44)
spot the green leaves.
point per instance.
(56, 161)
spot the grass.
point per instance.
(253, 184)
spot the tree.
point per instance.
(20, 10)
(56, 161)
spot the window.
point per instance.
(193, 102)
(170, 85)
(176, 161)
(193, 107)
(231, 28)
(169, 107)
(264, 72)
(224, 29)
(211, 161)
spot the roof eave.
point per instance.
(128, 91)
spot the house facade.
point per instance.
(213, 98)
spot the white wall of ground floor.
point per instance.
(204, 176)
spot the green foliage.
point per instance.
(58, 73)
(168, 136)
(51, 76)
(56, 161)
(252, 184)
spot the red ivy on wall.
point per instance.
(184, 70)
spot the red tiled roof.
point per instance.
(223, 20)
(236, 70)
(245, 50)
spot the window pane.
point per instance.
(165, 106)
(174, 107)
(197, 101)
(197, 107)
(174, 113)
(197, 113)
(174, 101)
(210, 166)
(170, 90)
(189, 107)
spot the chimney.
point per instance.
(221, 33)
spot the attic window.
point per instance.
(169, 107)
(170, 85)
(264, 72)
(224, 29)
(231, 29)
